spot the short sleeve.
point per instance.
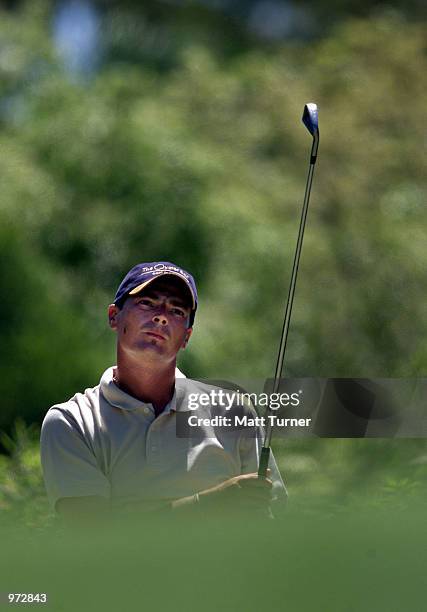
(70, 468)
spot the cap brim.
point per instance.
(150, 280)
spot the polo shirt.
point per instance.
(107, 443)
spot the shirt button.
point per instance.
(154, 448)
(146, 411)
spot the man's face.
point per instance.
(155, 321)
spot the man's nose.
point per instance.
(160, 318)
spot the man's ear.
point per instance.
(113, 311)
(187, 337)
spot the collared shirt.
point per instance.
(105, 442)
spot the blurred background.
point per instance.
(172, 130)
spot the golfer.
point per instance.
(115, 446)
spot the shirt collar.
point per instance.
(120, 399)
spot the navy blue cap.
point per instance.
(141, 275)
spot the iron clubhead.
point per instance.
(310, 118)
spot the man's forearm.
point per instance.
(246, 489)
(185, 502)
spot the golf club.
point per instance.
(311, 122)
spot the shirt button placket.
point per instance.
(148, 435)
(153, 445)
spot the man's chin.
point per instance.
(150, 349)
(151, 346)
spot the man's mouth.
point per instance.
(155, 335)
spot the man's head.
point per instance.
(154, 310)
(144, 274)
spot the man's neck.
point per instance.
(149, 382)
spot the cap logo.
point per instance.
(161, 268)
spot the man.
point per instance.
(116, 445)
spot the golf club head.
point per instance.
(310, 118)
(311, 121)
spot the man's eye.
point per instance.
(145, 302)
(179, 312)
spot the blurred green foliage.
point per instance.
(355, 561)
(206, 166)
(22, 494)
(200, 157)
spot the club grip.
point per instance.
(263, 462)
